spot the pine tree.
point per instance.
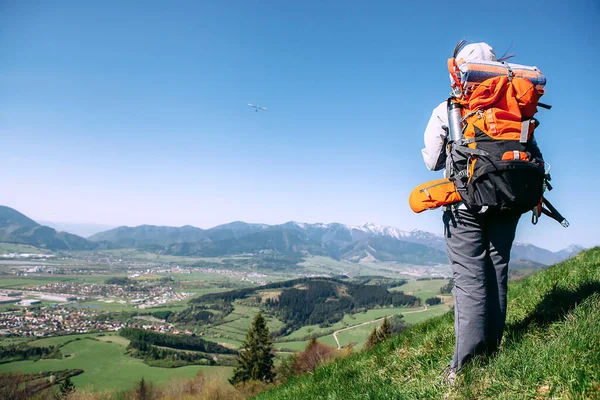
(66, 387)
(372, 340)
(311, 344)
(385, 329)
(142, 392)
(379, 334)
(255, 360)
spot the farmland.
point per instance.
(105, 364)
(104, 356)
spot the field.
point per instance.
(233, 332)
(105, 364)
(21, 282)
(423, 289)
(359, 335)
(144, 256)
(21, 248)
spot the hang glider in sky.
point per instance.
(256, 108)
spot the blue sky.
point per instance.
(124, 113)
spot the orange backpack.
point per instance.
(497, 164)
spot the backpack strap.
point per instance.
(525, 130)
(553, 213)
(468, 150)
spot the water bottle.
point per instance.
(454, 123)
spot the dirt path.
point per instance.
(370, 322)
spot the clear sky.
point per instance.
(133, 112)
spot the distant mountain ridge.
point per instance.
(80, 229)
(18, 228)
(339, 241)
(352, 243)
(349, 242)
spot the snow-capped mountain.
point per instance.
(345, 242)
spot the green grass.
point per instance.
(238, 322)
(357, 335)
(21, 248)
(231, 343)
(59, 340)
(295, 346)
(9, 341)
(106, 366)
(309, 330)
(431, 312)
(550, 350)
(18, 283)
(324, 265)
(348, 320)
(422, 289)
(353, 319)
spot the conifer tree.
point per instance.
(311, 343)
(255, 360)
(372, 340)
(66, 387)
(142, 392)
(379, 334)
(385, 329)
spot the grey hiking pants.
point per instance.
(479, 251)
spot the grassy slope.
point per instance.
(21, 248)
(551, 350)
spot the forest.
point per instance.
(143, 339)
(24, 352)
(242, 293)
(325, 302)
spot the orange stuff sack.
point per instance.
(505, 104)
(433, 194)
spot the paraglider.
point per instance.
(256, 108)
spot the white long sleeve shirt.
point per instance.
(434, 153)
(436, 137)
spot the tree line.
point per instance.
(242, 293)
(202, 314)
(24, 352)
(166, 358)
(143, 338)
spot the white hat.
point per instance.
(477, 52)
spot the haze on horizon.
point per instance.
(122, 114)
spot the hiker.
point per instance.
(478, 240)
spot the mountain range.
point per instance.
(17, 228)
(368, 242)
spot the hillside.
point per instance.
(551, 350)
(17, 228)
(305, 301)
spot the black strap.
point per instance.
(546, 106)
(553, 213)
(468, 150)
